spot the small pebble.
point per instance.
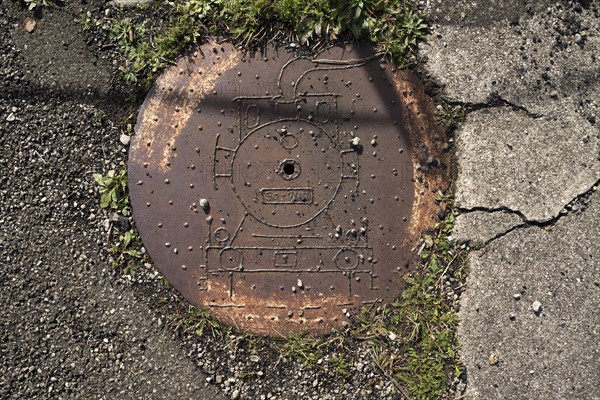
(30, 24)
(537, 307)
(493, 359)
(204, 204)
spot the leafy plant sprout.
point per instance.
(394, 27)
(32, 4)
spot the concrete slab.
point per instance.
(508, 159)
(467, 12)
(479, 227)
(544, 60)
(510, 351)
(529, 75)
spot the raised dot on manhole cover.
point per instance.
(285, 193)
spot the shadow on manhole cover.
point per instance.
(285, 193)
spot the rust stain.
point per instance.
(285, 193)
(158, 122)
(280, 316)
(428, 140)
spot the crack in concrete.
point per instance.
(529, 222)
(505, 209)
(494, 101)
(502, 234)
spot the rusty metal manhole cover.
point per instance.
(280, 191)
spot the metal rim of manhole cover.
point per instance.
(285, 192)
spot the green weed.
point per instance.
(87, 21)
(426, 313)
(113, 191)
(198, 321)
(125, 253)
(449, 115)
(125, 245)
(147, 51)
(340, 365)
(302, 348)
(392, 26)
(32, 4)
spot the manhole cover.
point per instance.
(281, 191)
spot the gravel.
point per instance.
(72, 326)
(125, 139)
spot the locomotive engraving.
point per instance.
(296, 166)
(280, 190)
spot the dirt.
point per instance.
(72, 326)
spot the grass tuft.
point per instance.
(394, 27)
(411, 341)
(125, 242)
(33, 4)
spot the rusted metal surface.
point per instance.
(284, 193)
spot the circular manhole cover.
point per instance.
(281, 191)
